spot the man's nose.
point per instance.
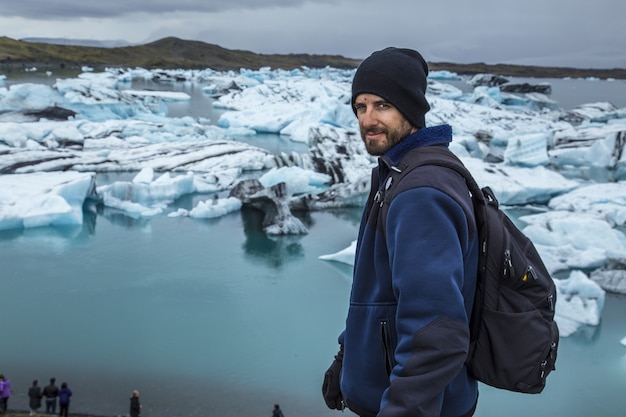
(367, 118)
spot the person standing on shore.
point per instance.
(34, 397)
(5, 392)
(277, 412)
(64, 400)
(51, 392)
(135, 405)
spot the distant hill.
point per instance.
(172, 53)
(167, 53)
(79, 42)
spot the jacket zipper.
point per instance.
(509, 270)
(386, 346)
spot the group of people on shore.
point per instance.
(52, 394)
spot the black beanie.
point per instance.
(399, 76)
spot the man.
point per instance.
(406, 339)
(51, 392)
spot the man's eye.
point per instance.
(384, 105)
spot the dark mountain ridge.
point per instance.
(173, 53)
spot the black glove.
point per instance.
(330, 388)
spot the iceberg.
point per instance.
(579, 302)
(44, 199)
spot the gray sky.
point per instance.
(587, 34)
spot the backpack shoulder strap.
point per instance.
(440, 156)
(481, 198)
(433, 156)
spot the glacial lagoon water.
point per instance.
(214, 318)
(204, 317)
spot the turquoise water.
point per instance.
(193, 313)
(213, 318)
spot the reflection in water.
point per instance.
(275, 250)
(351, 214)
(71, 232)
(121, 218)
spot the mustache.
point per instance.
(373, 131)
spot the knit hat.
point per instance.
(399, 76)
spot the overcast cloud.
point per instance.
(532, 32)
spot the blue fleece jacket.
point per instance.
(407, 336)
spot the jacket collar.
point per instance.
(435, 135)
(427, 136)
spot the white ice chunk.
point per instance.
(215, 208)
(579, 302)
(527, 150)
(298, 180)
(44, 199)
(606, 200)
(345, 256)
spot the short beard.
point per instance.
(393, 136)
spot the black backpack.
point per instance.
(513, 336)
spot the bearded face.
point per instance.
(381, 124)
